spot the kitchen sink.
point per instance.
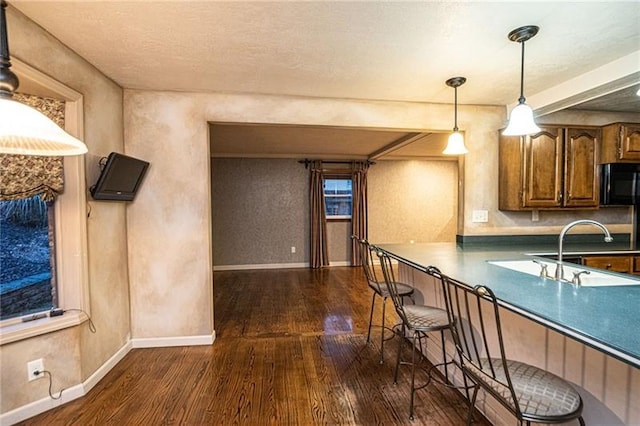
(593, 279)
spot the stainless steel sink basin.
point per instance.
(593, 279)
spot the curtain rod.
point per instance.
(306, 162)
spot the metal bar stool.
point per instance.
(530, 393)
(380, 289)
(419, 321)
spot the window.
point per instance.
(26, 238)
(337, 198)
(70, 214)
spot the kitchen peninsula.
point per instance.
(588, 335)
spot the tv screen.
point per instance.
(120, 178)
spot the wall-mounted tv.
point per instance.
(120, 178)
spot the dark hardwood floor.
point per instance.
(290, 350)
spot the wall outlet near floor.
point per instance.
(293, 249)
(480, 216)
(33, 366)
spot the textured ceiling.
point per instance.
(399, 51)
(392, 51)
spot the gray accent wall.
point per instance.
(260, 210)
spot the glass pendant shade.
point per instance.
(26, 131)
(455, 145)
(521, 122)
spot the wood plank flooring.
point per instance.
(290, 350)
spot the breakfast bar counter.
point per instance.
(587, 335)
(607, 318)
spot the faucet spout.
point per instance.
(607, 238)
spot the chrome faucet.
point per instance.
(607, 238)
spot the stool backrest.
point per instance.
(390, 280)
(477, 334)
(366, 259)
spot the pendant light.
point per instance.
(521, 120)
(23, 130)
(455, 145)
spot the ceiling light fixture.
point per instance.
(521, 120)
(455, 145)
(23, 130)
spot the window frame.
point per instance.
(70, 222)
(338, 175)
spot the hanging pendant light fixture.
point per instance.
(23, 130)
(521, 121)
(455, 145)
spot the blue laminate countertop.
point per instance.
(607, 318)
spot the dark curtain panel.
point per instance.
(319, 252)
(359, 209)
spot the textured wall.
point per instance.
(260, 210)
(339, 242)
(413, 200)
(74, 354)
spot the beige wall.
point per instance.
(72, 355)
(413, 201)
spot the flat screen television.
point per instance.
(120, 178)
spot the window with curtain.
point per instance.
(29, 186)
(337, 198)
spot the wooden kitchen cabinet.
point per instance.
(553, 169)
(620, 143)
(623, 264)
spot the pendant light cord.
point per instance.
(8, 80)
(455, 109)
(521, 99)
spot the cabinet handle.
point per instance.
(608, 266)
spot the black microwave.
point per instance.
(619, 184)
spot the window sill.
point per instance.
(24, 330)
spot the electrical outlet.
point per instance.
(33, 366)
(293, 249)
(480, 216)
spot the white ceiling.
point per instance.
(392, 51)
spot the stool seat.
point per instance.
(383, 290)
(426, 318)
(540, 394)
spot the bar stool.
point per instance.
(418, 320)
(380, 289)
(530, 393)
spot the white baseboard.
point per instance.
(160, 342)
(106, 367)
(259, 266)
(218, 268)
(40, 406)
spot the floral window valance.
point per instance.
(23, 176)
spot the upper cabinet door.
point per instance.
(580, 167)
(543, 168)
(629, 142)
(620, 143)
